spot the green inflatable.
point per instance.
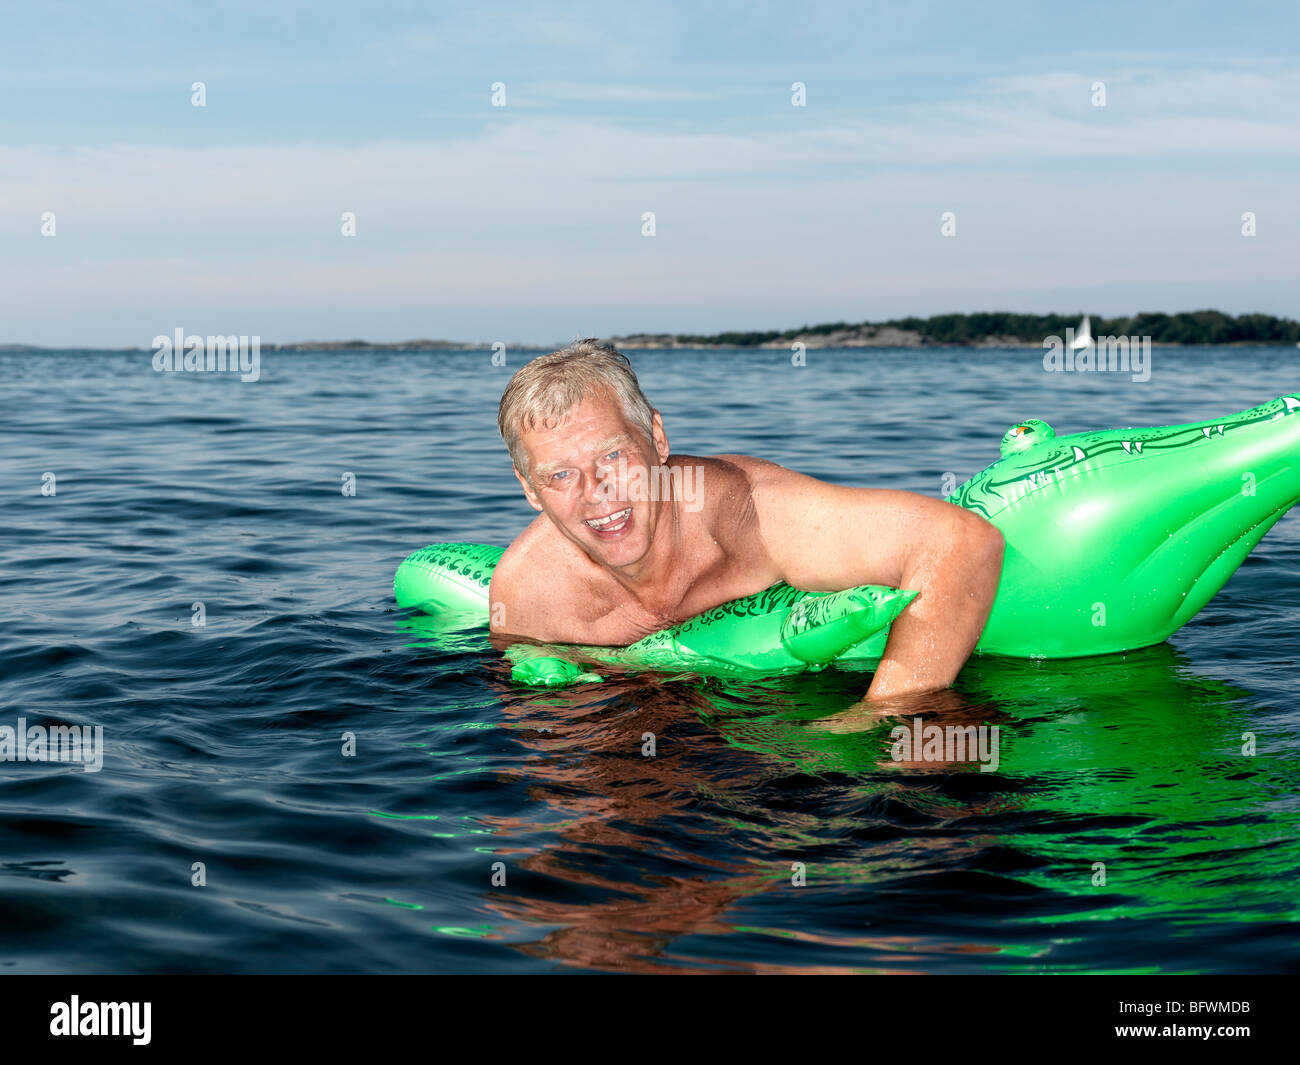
(779, 630)
(1114, 540)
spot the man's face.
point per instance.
(587, 474)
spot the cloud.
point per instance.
(819, 208)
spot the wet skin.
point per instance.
(631, 539)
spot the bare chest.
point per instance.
(619, 617)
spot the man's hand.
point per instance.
(824, 537)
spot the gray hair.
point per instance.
(550, 386)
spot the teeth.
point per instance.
(613, 519)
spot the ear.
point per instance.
(529, 491)
(660, 438)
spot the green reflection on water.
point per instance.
(453, 930)
(1131, 761)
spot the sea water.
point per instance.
(297, 777)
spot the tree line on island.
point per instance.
(1184, 327)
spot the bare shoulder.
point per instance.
(518, 579)
(530, 544)
(732, 489)
(754, 471)
(746, 485)
(538, 588)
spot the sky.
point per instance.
(524, 222)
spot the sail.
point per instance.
(1083, 335)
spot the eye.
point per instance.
(559, 476)
(612, 455)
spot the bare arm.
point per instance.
(823, 537)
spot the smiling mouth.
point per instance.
(610, 523)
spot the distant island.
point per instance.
(397, 345)
(984, 329)
(995, 329)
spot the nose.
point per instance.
(594, 486)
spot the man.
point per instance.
(631, 538)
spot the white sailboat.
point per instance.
(1083, 335)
